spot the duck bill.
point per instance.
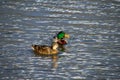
(67, 36)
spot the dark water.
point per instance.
(93, 49)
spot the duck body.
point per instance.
(45, 50)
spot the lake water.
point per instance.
(93, 49)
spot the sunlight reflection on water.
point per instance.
(93, 49)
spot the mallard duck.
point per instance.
(58, 42)
(46, 50)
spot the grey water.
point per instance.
(93, 50)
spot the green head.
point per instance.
(61, 35)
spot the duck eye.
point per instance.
(54, 37)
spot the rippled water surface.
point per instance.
(93, 49)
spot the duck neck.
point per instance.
(54, 45)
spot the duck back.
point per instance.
(43, 50)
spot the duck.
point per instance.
(46, 50)
(57, 44)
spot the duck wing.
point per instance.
(41, 49)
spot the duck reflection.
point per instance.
(54, 59)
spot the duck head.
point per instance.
(62, 35)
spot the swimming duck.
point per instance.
(46, 50)
(60, 38)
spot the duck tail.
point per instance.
(34, 47)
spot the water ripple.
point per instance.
(93, 49)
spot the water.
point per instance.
(93, 49)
